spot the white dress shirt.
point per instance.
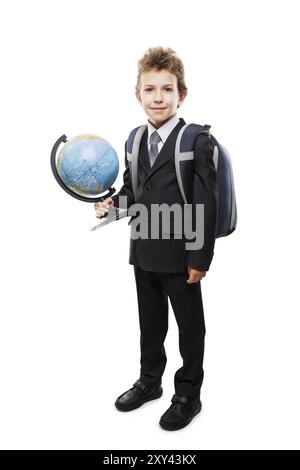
(164, 131)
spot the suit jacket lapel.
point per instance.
(166, 153)
(143, 152)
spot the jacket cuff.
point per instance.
(199, 268)
(115, 200)
(201, 265)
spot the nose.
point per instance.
(158, 98)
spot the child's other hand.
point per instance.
(195, 275)
(101, 208)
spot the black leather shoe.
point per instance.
(180, 413)
(137, 396)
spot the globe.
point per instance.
(87, 164)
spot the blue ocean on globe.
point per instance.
(88, 164)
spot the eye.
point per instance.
(169, 89)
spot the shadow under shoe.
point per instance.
(180, 413)
(137, 396)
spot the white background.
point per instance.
(69, 343)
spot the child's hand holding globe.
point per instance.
(101, 208)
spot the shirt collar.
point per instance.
(164, 130)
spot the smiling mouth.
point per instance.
(157, 109)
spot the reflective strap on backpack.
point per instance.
(132, 153)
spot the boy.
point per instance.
(165, 267)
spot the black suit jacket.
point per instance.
(158, 185)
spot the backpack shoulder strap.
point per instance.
(184, 156)
(132, 153)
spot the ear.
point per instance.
(181, 100)
(138, 96)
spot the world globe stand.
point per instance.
(110, 190)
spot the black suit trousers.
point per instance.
(153, 290)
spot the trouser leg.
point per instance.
(153, 319)
(186, 301)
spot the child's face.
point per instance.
(159, 95)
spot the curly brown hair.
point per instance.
(162, 58)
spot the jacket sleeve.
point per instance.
(126, 189)
(205, 191)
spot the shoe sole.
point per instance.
(137, 405)
(183, 424)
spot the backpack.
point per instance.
(184, 167)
